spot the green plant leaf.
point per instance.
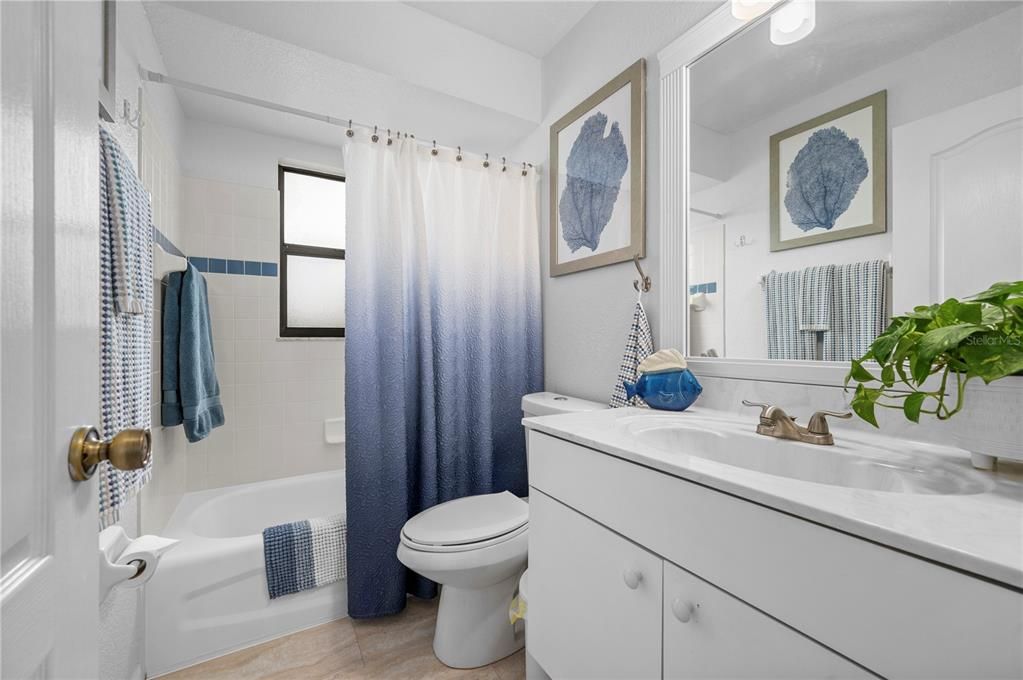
(888, 375)
(948, 312)
(971, 312)
(912, 405)
(939, 340)
(994, 356)
(860, 374)
(863, 404)
(998, 290)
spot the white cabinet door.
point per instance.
(710, 634)
(594, 598)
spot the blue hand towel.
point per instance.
(191, 394)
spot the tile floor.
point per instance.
(391, 648)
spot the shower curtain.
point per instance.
(443, 338)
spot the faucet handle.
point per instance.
(763, 407)
(765, 411)
(819, 424)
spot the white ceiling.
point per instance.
(487, 103)
(749, 78)
(530, 27)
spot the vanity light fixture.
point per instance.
(745, 10)
(793, 22)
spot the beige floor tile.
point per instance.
(321, 652)
(511, 667)
(396, 647)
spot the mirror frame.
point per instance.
(675, 61)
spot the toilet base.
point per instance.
(472, 624)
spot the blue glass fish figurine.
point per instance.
(665, 382)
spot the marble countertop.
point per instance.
(979, 532)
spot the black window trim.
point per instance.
(305, 251)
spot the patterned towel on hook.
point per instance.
(126, 317)
(305, 555)
(638, 346)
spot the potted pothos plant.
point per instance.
(926, 359)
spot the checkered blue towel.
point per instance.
(126, 317)
(860, 309)
(304, 555)
(815, 301)
(781, 304)
(638, 346)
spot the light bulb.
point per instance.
(793, 22)
(744, 10)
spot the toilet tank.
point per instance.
(550, 403)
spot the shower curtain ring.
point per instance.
(433, 152)
(350, 133)
(389, 140)
(459, 156)
(504, 164)
(524, 171)
(486, 160)
(375, 137)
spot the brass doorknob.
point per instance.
(128, 450)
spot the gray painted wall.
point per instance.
(587, 314)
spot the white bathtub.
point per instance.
(209, 596)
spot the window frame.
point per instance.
(286, 249)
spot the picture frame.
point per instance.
(828, 176)
(597, 177)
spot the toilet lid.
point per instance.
(468, 520)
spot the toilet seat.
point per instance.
(468, 523)
(461, 547)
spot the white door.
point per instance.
(49, 340)
(710, 634)
(957, 190)
(594, 598)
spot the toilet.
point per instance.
(475, 548)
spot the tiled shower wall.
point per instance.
(276, 393)
(161, 176)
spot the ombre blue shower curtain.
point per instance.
(443, 338)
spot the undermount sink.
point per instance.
(852, 463)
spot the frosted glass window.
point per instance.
(312, 271)
(316, 292)
(314, 210)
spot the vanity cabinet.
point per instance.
(636, 573)
(596, 602)
(710, 634)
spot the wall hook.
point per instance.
(133, 121)
(643, 284)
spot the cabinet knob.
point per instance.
(632, 578)
(682, 609)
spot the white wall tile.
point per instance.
(273, 391)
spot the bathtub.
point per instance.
(209, 596)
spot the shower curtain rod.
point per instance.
(347, 123)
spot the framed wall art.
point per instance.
(828, 176)
(597, 177)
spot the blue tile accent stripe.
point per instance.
(217, 265)
(711, 287)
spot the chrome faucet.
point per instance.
(774, 422)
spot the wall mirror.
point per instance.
(825, 164)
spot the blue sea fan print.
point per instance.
(823, 179)
(596, 165)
